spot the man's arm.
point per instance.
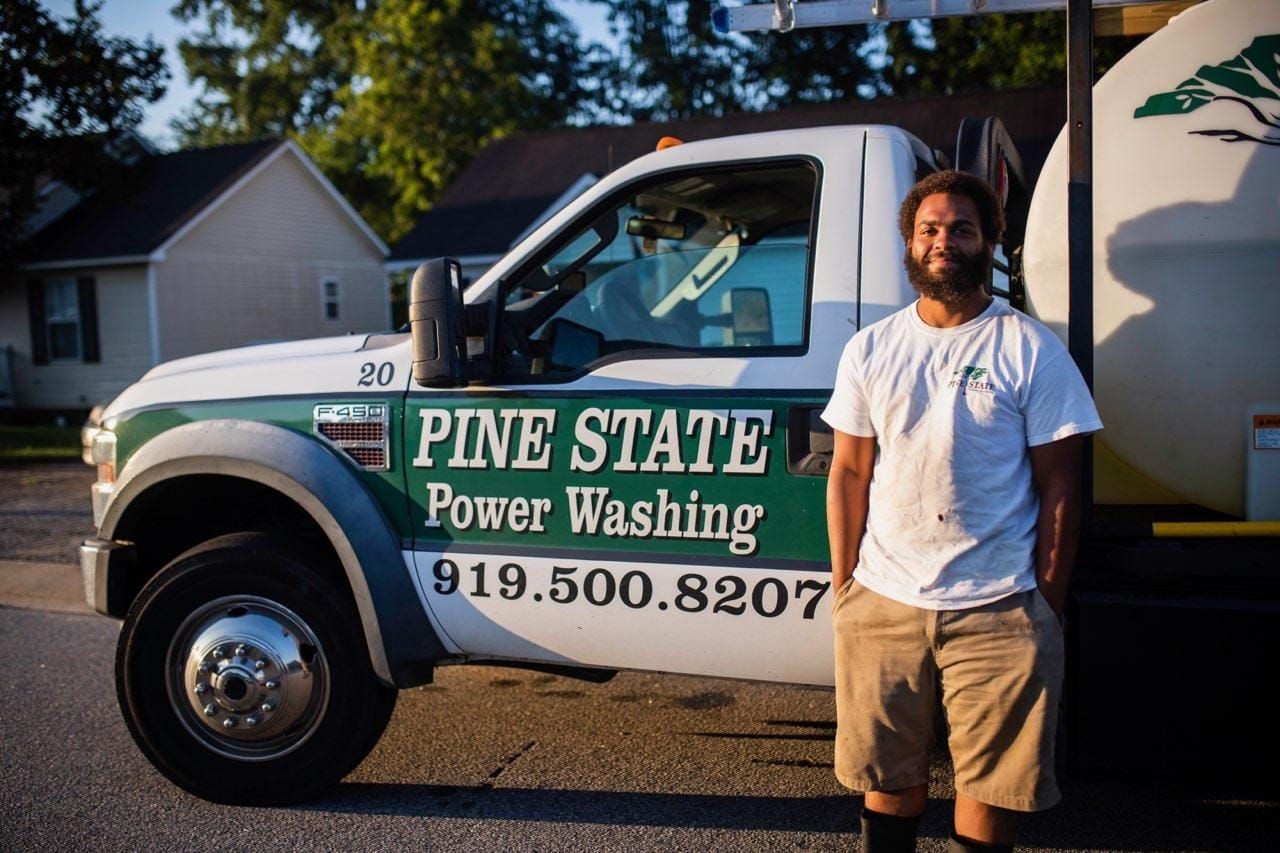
(1055, 470)
(848, 487)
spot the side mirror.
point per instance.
(437, 324)
(752, 320)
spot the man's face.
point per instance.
(947, 259)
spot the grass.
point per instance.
(39, 443)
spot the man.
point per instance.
(952, 510)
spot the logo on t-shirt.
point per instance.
(969, 378)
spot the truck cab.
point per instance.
(609, 458)
(639, 454)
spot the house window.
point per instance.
(329, 300)
(62, 319)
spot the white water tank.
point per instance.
(1186, 254)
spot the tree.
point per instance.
(266, 67)
(389, 97)
(64, 86)
(962, 54)
(674, 65)
(434, 81)
(814, 66)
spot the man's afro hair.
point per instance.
(954, 182)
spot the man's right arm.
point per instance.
(848, 491)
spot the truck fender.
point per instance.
(402, 644)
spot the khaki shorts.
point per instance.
(997, 670)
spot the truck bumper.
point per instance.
(102, 568)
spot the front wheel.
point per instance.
(244, 676)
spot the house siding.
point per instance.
(123, 334)
(251, 271)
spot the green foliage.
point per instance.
(437, 81)
(389, 97)
(266, 67)
(64, 86)
(392, 98)
(38, 443)
(814, 66)
(672, 64)
(964, 54)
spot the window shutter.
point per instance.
(88, 304)
(39, 334)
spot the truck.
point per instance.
(605, 454)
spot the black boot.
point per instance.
(960, 844)
(887, 833)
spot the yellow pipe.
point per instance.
(1170, 529)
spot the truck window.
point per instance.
(704, 263)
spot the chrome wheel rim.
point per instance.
(247, 678)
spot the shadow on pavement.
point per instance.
(620, 808)
(1095, 816)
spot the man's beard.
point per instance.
(952, 286)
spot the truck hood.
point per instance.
(320, 367)
(257, 354)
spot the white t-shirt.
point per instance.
(952, 517)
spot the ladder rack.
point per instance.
(786, 15)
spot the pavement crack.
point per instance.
(507, 762)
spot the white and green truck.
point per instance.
(605, 453)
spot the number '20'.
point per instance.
(382, 374)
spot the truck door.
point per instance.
(622, 494)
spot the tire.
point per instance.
(244, 677)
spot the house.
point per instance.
(205, 249)
(516, 184)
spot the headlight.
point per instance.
(103, 453)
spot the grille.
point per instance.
(340, 433)
(369, 457)
(358, 430)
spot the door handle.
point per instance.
(810, 442)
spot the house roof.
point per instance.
(164, 192)
(513, 180)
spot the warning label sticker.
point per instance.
(1266, 432)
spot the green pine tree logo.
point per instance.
(1251, 78)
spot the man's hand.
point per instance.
(848, 487)
(1055, 469)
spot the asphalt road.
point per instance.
(45, 511)
(490, 758)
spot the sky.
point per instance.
(140, 18)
